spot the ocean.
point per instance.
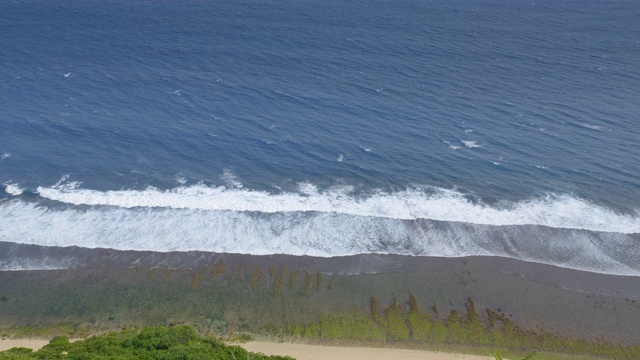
(440, 128)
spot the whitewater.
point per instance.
(557, 230)
(559, 211)
(323, 128)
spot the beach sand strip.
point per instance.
(318, 352)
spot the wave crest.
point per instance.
(557, 211)
(13, 189)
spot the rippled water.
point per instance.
(437, 128)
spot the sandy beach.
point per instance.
(317, 352)
(304, 352)
(27, 343)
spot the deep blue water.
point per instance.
(437, 128)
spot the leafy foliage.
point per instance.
(179, 342)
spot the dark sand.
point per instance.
(108, 288)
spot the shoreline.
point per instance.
(55, 258)
(316, 299)
(304, 351)
(321, 352)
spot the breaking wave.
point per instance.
(559, 230)
(13, 189)
(557, 211)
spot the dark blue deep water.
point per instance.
(422, 127)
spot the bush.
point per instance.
(180, 342)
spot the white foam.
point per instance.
(13, 189)
(231, 180)
(542, 167)
(62, 180)
(471, 144)
(35, 264)
(341, 158)
(452, 147)
(592, 127)
(315, 234)
(558, 211)
(4, 156)
(306, 188)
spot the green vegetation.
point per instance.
(318, 281)
(196, 281)
(527, 357)
(374, 308)
(394, 322)
(168, 273)
(219, 269)
(257, 275)
(278, 282)
(307, 283)
(292, 277)
(179, 342)
(354, 326)
(409, 325)
(45, 331)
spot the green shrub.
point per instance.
(179, 342)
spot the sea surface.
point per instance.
(318, 127)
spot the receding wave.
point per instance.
(22, 264)
(311, 233)
(557, 211)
